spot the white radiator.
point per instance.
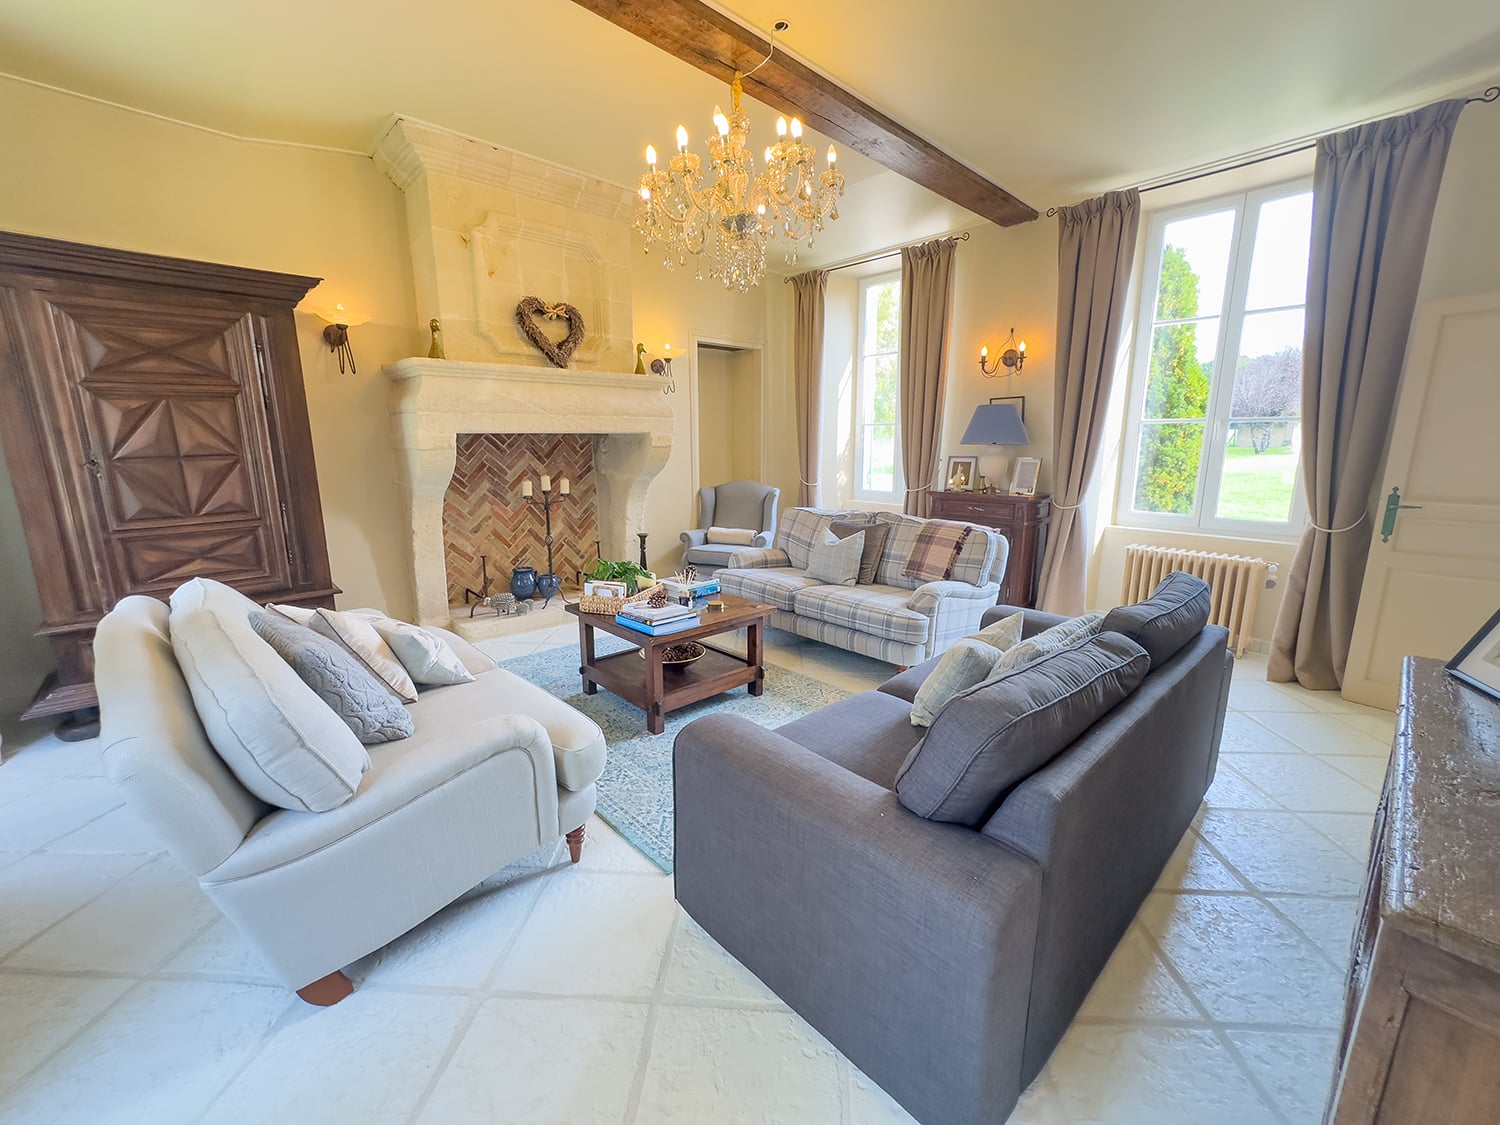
(1236, 582)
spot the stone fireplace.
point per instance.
(488, 226)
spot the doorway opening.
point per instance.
(731, 413)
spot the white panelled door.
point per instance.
(1436, 579)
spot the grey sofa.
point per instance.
(944, 961)
(743, 504)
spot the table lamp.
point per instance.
(996, 423)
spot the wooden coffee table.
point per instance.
(657, 689)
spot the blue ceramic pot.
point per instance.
(547, 585)
(523, 582)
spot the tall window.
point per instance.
(1215, 444)
(877, 391)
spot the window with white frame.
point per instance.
(877, 392)
(1213, 443)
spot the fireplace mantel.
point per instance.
(434, 400)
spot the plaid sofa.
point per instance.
(897, 619)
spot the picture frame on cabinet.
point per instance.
(1478, 662)
(1023, 481)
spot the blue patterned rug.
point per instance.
(635, 791)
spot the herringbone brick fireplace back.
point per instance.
(483, 513)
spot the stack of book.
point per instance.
(688, 592)
(657, 621)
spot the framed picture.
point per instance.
(1018, 401)
(961, 473)
(605, 589)
(1023, 483)
(1478, 662)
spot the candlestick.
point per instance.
(564, 487)
(546, 483)
(526, 489)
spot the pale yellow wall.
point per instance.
(87, 172)
(715, 417)
(840, 332)
(746, 415)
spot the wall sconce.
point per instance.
(1013, 356)
(336, 335)
(662, 366)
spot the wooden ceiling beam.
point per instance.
(717, 45)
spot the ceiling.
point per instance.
(1052, 99)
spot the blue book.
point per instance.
(662, 630)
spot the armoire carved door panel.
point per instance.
(171, 407)
(154, 421)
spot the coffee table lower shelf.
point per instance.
(625, 674)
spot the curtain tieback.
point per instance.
(1338, 530)
(1056, 507)
(811, 483)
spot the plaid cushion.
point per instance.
(776, 586)
(974, 561)
(881, 610)
(801, 528)
(936, 551)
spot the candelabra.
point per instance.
(547, 584)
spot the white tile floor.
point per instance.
(560, 994)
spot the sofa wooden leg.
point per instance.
(902, 667)
(575, 843)
(327, 991)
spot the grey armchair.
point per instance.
(744, 504)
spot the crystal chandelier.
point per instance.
(729, 221)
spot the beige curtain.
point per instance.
(1095, 252)
(926, 307)
(1374, 188)
(807, 370)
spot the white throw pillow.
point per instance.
(301, 614)
(1004, 634)
(283, 743)
(835, 560)
(359, 636)
(429, 658)
(740, 536)
(1066, 635)
(967, 662)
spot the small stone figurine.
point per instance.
(436, 351)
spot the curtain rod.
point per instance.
(964, 237)
(1492, 94)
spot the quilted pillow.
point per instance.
(1061, 636)
(360, 638)
(283, 743)
(364, 703)
(875, 535)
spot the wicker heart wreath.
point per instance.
(562, 351)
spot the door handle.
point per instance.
(1392, 506)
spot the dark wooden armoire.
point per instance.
(154, 420)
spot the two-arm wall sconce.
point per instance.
(336, 335)
(1014, 356)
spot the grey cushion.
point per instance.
(994, 735)
(364, 703)
(1174, 614)
(875, 536)
(1069, 632)
(868, 734)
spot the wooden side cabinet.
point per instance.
(155, 425)
(1421, 1040)
(1022, 520)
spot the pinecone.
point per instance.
(658, 598)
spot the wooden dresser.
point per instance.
(1021, 519)
(155, 425)
(1421, 1040)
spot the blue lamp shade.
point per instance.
(996, 423)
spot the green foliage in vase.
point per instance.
(627, 572)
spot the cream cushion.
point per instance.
(358, 635)
(1004, 634)
(301, 614)
(426, 656)
(280, 740)
(969, 661)
(836, 561)
(738, 536)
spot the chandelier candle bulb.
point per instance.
(796, 128)
(650, 159)
(721, 123)
(682, 138)
(781, 126)
(832, 156)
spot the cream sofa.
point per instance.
(897, 619)
(497, 768)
